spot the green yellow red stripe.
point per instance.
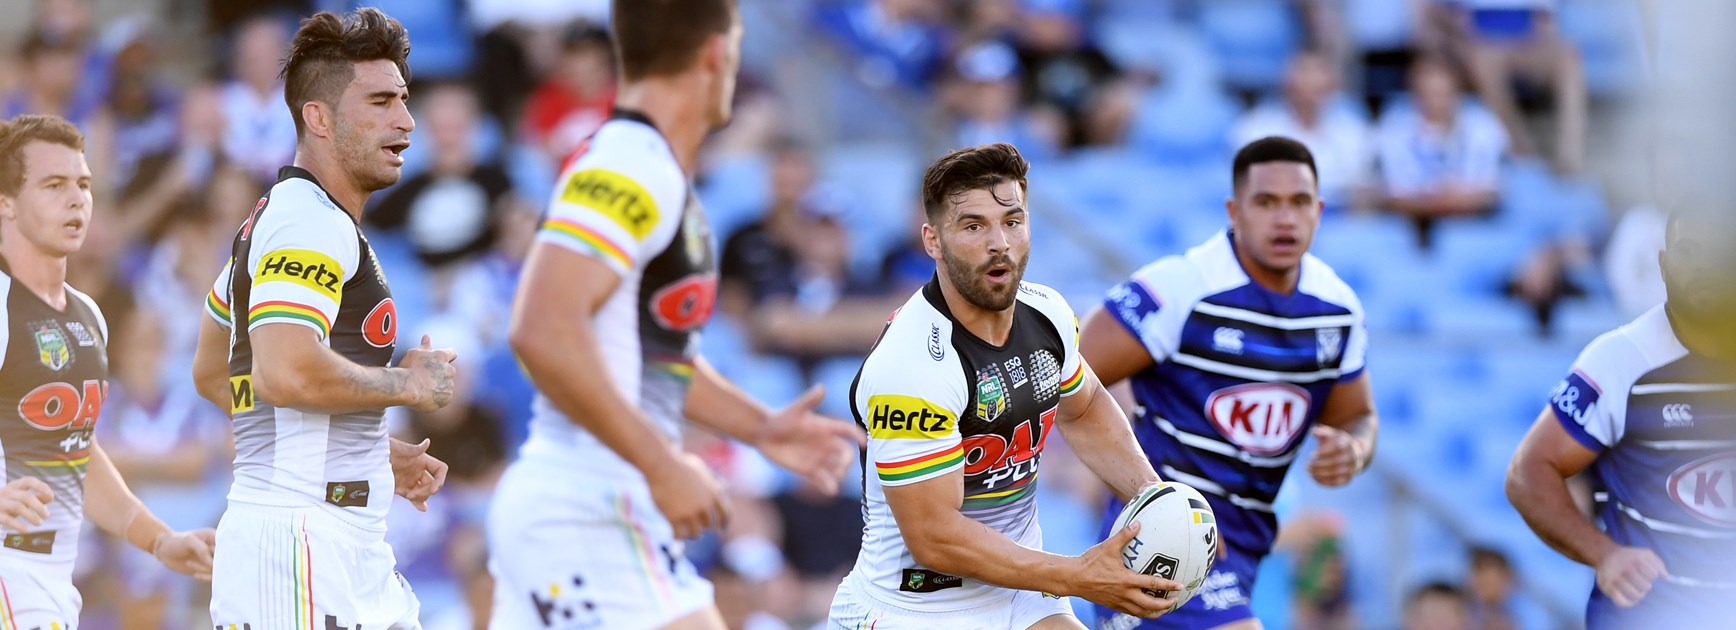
(303, 603)
(921, 466)
(280, 310)
(7, 622)
(217, 305)
(655, 580)
(591, 239)
(1073, 382)
(62, 466)
(992, 499)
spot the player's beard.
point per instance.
(360, 158)
(973, 286)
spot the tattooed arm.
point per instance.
(292, 369)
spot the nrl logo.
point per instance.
(51, 346)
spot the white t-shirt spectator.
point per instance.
(1631, 260)
(258, 132)
(1339, 142)
(1420, 157)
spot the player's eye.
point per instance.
(1014, 222)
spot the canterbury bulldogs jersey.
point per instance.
(934, 398)
(53, 381)
(300, 259)
(1240, 373)
(1661, 420)
(625, 201)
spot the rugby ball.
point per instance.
(1178, 536)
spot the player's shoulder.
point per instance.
(915, 351)
(621, 156)
(302, 206)
(1179, 280)
(1631, 350)
(1047, 301)
(1320, 280)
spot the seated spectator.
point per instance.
(447, 212)
(894, 42)
(1491, 590)
(988, 100)
(1436, 606)
(1440, 154)
(49, 78)
(576, 97)
(256, 133)
(1334, 130)
(1499, 41)
(1063, 70)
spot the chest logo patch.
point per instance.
(51, 346)
(1327, 342)
(1706, 488)
(81, 334)
(991, 393)
(1047, 372)
(1260, 418)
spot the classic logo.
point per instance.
(81, 334)
(1226, 339)
(925, 581)
(1706, 488)
(51, 346)
(991, 394)
(936, 351)
(892, 417)
(305, 268)
(1261, 418)
(38, 542)
(615, 196)
(1328, 344)
(347, 493)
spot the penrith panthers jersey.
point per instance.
(935, 399)
(53, 380)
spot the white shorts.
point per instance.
(304, 569)
(852, 609)
(36, 594)
(581, 552)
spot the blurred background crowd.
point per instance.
(1489, 197)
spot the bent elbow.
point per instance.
(274, 386)
(524, 339)
(1516, 485)
(931, 554)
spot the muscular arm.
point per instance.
(553, 335)
(1109, 349)
(719, 405)
(945, 540)
(293, 369)
(1099, 433)
(211, 364)
(113, 508)
(1350, 408)
(1537, 487)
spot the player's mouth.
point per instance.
(1286, 244)
(74, 227)
(395, 151)
(1000, 273)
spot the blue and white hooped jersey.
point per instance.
(1661, 420)
(1240, 373)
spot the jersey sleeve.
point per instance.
(1152, 305)
(1049, 302)
(299, 262)
(1356, 347)
(911, 411)
(1591, 401)
(618, 211)
(217, 300)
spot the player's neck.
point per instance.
(334, 180)
(43, 274)
(1697, 337)
(991, 326)
(677, 110)
(1280, 282)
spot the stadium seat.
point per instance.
(1255, 38)
(735, 192)
(1608, 37)
(1183, 125)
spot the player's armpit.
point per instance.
(1099, 433)
(1110, 349)
(1537, 488)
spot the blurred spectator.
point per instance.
(443, 50)
(1501, 41)
(1630, 260)
(173, 449)
(52, 66)
(1321, 595)
(1063, 69)
(895, 42)
(1491, 590)
(1436, 606)
(258, 133)
(989, 105)
(1310, 111)
(906, 266)
(1440, 154)
(576, 97)
(447, 212)
(138, 119)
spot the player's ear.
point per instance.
(6, 211)
(316, 118)
(931, 241)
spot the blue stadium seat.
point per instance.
(1255, 38)
(735, 192)
(1607, 35)
(1183, 125)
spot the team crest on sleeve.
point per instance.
(991, 393)
(51, 346)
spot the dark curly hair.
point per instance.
(972, 168)
(323, 56)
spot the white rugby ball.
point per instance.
(1178, 536)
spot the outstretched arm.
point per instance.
(809, 444)
(1099, 433)
(112, 507)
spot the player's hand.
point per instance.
(431, 375)
(188, 552)
(24, 504)
(688, 495)
(1101, 577)
(1626, 574)
(811, 445)
(1339, 457)
(416, 475)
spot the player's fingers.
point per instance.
(202, 577)
(427, 343)
(1120, 538)
(1154, 583)
(35, 511)
(811, 398)
(39, 488)
(419, 447)
(209, 536)
(10, 523)
(848, 432)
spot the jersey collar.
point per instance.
(295, 172)
(622, 113)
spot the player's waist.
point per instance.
(360, 502)
(929, 594)
(48, 547)
(317, 521)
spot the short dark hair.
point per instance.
(323, 56)
(660, 37)
(980, 167)
(1437, 588)
(22, 130)
(1271, 149)
(1490, 556)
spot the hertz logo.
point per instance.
(304, 267)
(906, 417)
(615, 196)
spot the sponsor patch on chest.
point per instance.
(1706, 488)
(1260, 418)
